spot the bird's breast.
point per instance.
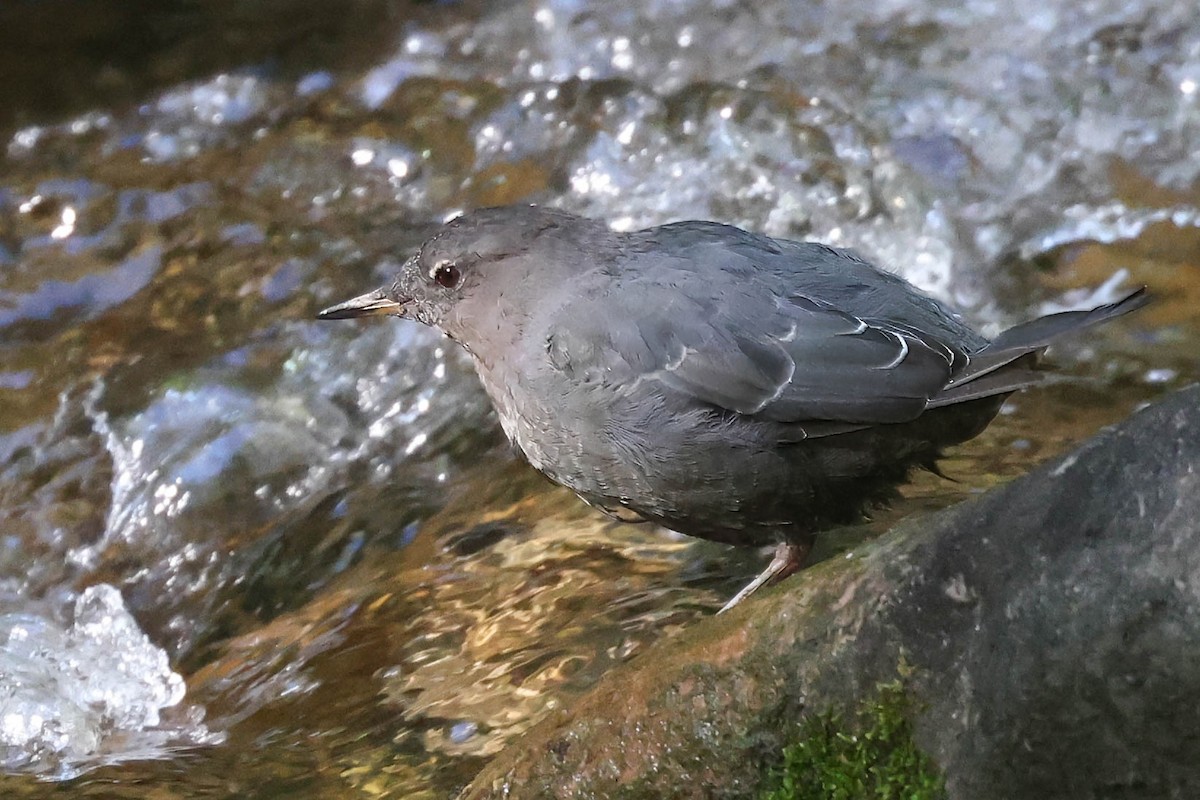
(524, 420)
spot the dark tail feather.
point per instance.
(1042, 331)
(1006, 364)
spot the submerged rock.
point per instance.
(1049, 633)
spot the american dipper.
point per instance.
(724, 384)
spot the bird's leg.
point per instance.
(789, 557)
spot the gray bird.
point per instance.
(724, 384)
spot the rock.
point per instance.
(1049, 631)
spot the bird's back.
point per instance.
(839, 277)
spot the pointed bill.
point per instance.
(371, 304)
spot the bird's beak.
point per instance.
(371, 304)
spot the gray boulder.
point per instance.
(1049, 632)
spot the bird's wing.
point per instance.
(780, 357)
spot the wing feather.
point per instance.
(748, 350)
(797, 333)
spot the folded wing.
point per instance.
(790, 359)
(792, 333)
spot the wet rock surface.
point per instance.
(1049, 631)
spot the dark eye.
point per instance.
(446, 275)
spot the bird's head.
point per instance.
(478, 264)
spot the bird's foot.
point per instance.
(789, 557)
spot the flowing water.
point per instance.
(243, 552)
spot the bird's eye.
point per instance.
(446, 275)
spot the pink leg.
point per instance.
(789, 557)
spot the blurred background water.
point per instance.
(244, 552)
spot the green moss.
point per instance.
(871, 756)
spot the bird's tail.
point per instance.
(1007, 363)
